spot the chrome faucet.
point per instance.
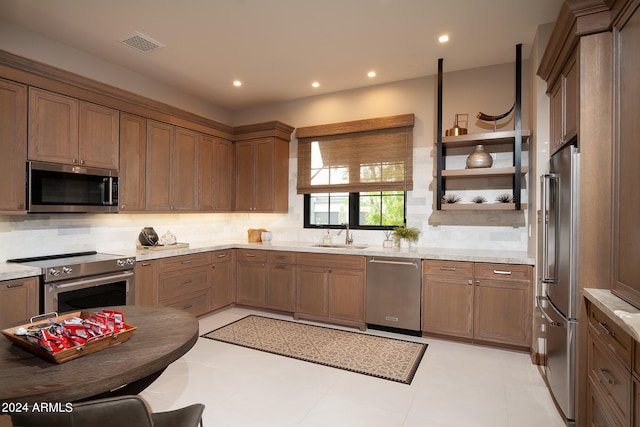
(348, 239)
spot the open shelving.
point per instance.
(515, 138)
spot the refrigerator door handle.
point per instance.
(548, 273)
(546, 316)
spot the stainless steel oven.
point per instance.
(85, 280)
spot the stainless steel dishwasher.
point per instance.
(394, 293)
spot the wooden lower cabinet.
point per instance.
(18, 300)
(612, 393)
(280, 281)
(146, 282)
(222, 278)
(183, 282)
(331, 288)
(478, 301)
(266, 279)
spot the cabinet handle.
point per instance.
(477, 282)
(145, 264)
(504, 272)
(250, 255)
(607, 376)
(187, 306)
(279, 266)
(607, 330)
(189, 261)
(448, 268)
(186, 282)
(15, 285)
(213, 266)
(470, 282)
(222, 256)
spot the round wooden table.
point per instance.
(162, 336)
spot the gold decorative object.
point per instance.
(456, 129)
(479, 158)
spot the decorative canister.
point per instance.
(479, 158)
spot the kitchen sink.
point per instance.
(339, 246)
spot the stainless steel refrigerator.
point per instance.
(559, 298)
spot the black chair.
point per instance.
(121, 411)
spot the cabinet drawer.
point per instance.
(178, 283)
(614, 337)
(222, 255)
(447, 268)
(503, 271)
(195, 303)
(184, 261)
(332, 261)
(599, 414)
(281, 257)
(252, 255)
(609, 374)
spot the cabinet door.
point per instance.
(346, 294)
(502, 312)
(221, 282)
(447, 305)
(98, 136)
(53, 127)
(571, 101)
(223, 176)
(245, 188)
(215, 179)
(312, 291)
(146, 283)
(557, 116)
(626, 268)
(18, 300)
(281, 287)
(13, 146)
(133, 147)
(250, 284)
(184, 182)
(263, 175)
(160, 138)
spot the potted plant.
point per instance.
(404, 236)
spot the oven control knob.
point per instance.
(67, 270)
(131, 261)
(120, 262)
(54, 272)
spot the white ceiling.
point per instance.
(277, 48)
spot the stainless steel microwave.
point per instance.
(66, 188)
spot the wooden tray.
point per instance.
(70, 353)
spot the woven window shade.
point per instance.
(378, 158)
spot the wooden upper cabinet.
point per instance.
(160, 138)
(53, 127)
(215, 172)
(626, 269)
(171, 168)
(98, 136)
(133, 147)
(13, 146)
(65, 130)
(184, 170)
(262, 167)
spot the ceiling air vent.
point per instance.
(141, 42)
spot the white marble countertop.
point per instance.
(621, 312)
(15, 271)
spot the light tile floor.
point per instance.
(456, 385)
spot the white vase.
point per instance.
(405, 244)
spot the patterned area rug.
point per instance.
(387, 358)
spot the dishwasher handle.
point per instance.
(383, 261)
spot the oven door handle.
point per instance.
(97, 280)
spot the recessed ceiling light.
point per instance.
(315, 84)
(237, 83)
(443, 38)
(371, 74)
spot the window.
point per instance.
(377, 210)
(356, 172)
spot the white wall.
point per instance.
(489, 89)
